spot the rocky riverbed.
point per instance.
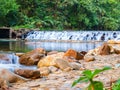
(58, 70)
(62, 80)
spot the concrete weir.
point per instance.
(74, 35)
(5, 33)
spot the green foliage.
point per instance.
(88, 76)
(116, 86)
(8, 8)
(61, 14)
(12, 18)
(95, 85)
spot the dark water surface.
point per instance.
(23, 46)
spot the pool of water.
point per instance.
(24, 46)
(10, 47)
(13, 45)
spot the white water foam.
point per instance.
(74, 35)
(12, 62)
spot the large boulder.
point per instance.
(104, 49)
(55, 60)
(113, 41)
(74, 54)
(50, 60)
(10, 76)
(27, 73)
(63, 64)
(32, 57)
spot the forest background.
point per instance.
(61, 14)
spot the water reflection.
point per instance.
(63, 46)
(22, 46)
(13, 45)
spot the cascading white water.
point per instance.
(74, 35)
(9, 60)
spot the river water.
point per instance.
(24, 46)
(51, 41)
(10, 47)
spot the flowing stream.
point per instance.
(10, 61)
(8, 48)
(42, 39)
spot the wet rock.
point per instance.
(7, 58)
(19, 35)
(73, 53)
(32, 57)
(88, 58)
(44, 71)
(50, 60)
(4, 57)
(104, 49)
(27, 73)
(103, 37)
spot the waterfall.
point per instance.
(8, 58)
(73, 35)
(10, 61)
